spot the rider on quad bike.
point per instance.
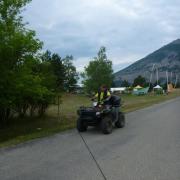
(105, 97)
(104, 113)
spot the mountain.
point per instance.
(164, 59)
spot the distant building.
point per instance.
(79, 89)
(118, 90)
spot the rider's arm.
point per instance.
(95, 96)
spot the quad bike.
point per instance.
(103, 115)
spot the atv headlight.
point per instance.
(98, 113)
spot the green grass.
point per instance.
(132, 103)
(20, 130)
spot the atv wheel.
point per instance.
(81, 127)
(107, 125)
(121, 121)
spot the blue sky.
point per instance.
(129, 29)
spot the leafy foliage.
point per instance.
(98, 72)
(26, 85)
(57, 68)
(63, 69)
(125, 83)
(71, 76)
(140, 81)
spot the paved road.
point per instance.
(147, 149)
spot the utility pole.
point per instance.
(167, 79)
(157, 74)
(176, 81)
(171, 77)
(151, 75)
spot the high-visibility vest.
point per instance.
(102, 95)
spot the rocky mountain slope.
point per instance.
(165, 59)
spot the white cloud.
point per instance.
(82, 62)
(129, 29)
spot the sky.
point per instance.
(129, 29)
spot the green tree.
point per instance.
(57, 66)
(140, 81)
(59, 71)
(46, 56)
(71, 75)
(34, 88)
(98, 72)
(25, 82)
(125, 83)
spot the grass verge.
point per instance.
(21, 130)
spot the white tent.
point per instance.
(157, 87)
